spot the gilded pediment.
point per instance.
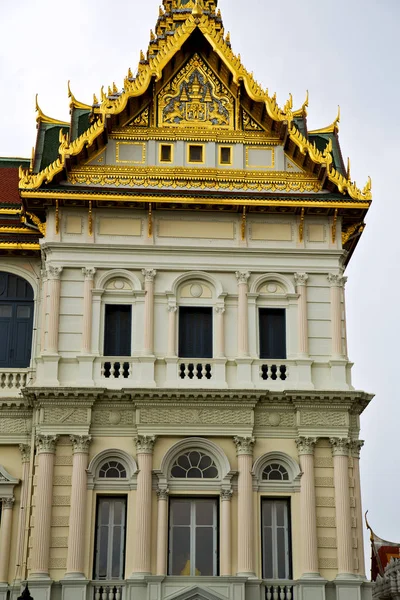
(195, 97)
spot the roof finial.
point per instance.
(198, 8)
(348, 174)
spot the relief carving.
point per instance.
(244, 445)
(157, 416)
(328, 419)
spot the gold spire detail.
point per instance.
(302, 112)
(197, 9)
(74, 103)
(334, 128)
(42, 118)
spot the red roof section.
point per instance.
(9, 194)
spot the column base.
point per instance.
(74, 589)
(311, 586)
(348, 587)
(139, 575)
(247, 574)
(4, 591)
(40, 588)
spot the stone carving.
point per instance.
(324, 482)
(226, 495)
(59, 542)
(242, 278)
(58, 563)
(336, 280)
(220, 310)
(162, 494)
(113, 417)
(62, 521)
(328, 563)
(46, 444)
(244, 445)
(145, 444)
(63, 461)
(149, 275)
(89, 273)
(301, 278)
(325, 501)
(172, 309)
(7, 503)
(189, 416)
(54, 272)
(327, 542)
(306, 445)
(13, 425)
(324, 462)
(61, 500)
(328, 419)
(25, 450)
(62, 480)
(328, 522)
(80, 443)
(340, 446)
(265, 419)
(67, 416)
(355, 448)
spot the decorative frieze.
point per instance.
(244, 445)
(306, 445)
(325, 501)
(274, 419)
(340, 446)
(323, 418)
(66, 416)
(46, 444)
(218, 416)
(80, 443)
(145, 444)
(123, 418)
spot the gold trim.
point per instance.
(41, 226)
(172, 147)
(203, 154)
(17, 246)
(302, 112)
(130, 162)
(74, 103)
(44, 118)
(188, 134)
(4, 229)
(225, 164)
(10, 211)
(334, 226)
(301, 225)
(334, 128)
(263, 167)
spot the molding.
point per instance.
(191, 275)
(7, 484)
(284, 280)
(292, 467)
(94, 482)
(102, 280)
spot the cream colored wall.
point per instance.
(10, 459)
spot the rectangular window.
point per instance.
(225, 155)
(193, 537)
(196, 153)
(195, 332)
(110, 538)
(117, 330)
(272, 323)
(166, 153)
(276, 539)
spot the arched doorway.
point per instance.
(16, 321)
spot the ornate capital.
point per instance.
(89, 273)
(46, 444)
(242, 277)
(244, 445)
(336, 280)
(226, 495)
(145, 444)
(340, 446)
(149, 275)
(306, 445)
(80, 443)
(7, 503)
(43, 273)
(301, 278)
(220, 310)
(355, 448)
(25, 450)
(54, 272)
(162, 493)
(172, 309)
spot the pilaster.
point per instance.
(244, 451)
(162, 531)
(226, 533)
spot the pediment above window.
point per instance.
(7, 483)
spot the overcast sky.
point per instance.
(344, 52)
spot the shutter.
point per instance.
(5, 334)
(195, 332)
(117, 330)
(22, 338)
(272, 324)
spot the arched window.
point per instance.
(16, 321)
(112, 470)
(194, 465)
(275, 472)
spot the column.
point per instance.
(336, 283)
(244, 450)
(309, 540)
(77, 517)
(219, 332)
(340, 452)
(243, 318)
(356, 446)
(162, 531)
(301, 283)
(149, 276)
(25, 450)
(226, 533)
(172, 310)
(46, 447)
(5, 537)
(88, 274)
(142, 541)
(43, 311)
(53, 308)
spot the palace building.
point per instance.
(177, 417)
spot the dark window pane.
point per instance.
(195, 153)
(194, 473)
(104, 513)
(195, 332)
(103, 552)
(110, 538)
(23, 312)
(225, 156)
(272, 323)
(281, 553)
(183, 461)
(194, 458)
(166, 153)
(205, 512)
(205, 462)
(268, 553)
(119, 512)
(204, 551)
(210, 473)
(178, 472)
(5, 311)
(116, 553)
(180, 512)
(280, 513)
(267, 513)
(180, 548)
(117, 330)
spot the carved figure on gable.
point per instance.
(195, 97)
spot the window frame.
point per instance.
(160, 158)
(188, 308)
(99, 498)
(220, 162)
(203, 154)
(288, 540)
(193, 525)
(272, 308)
(125, 304)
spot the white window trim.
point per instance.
(277, 487)
(110, 484)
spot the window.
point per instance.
(196, 153)
(117, 330)
(276, 539)
(225, 155)
(275, 472)
(112, 470)
(193, 537)
(272, 323)
(16, 321)
(194, 464)
(110, 538)
(165, 153)
(195, 332)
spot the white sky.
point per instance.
(344, 52)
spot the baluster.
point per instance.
(190, 371)
(117, 593)
(107, 370)
(264, 372)
(125, 370)
(182, 373)
(199, 370)
(275, 596)
(289, 595)
(10, 380)
(282, 595)
(24, 378)
(111, 593)
(274, 376)
(2, 380)
(208, 371)
(97, 594)
(282, 370)
(269, 592)
(104, 593)
(17, 380)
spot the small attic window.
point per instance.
(166, 153)
(196, 153)
(225, 155)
